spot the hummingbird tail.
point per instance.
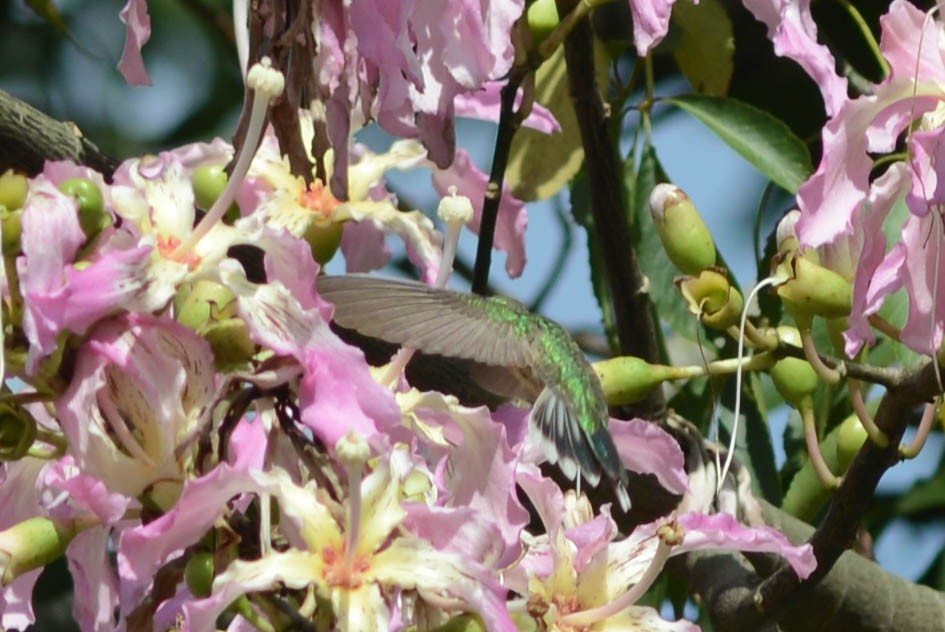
(575, 450)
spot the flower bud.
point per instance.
(685, 237)
(17, 432)
(712, 298)
(32, 544)
(93, 217)
(628, 379)
(13, 190)
(795, 379)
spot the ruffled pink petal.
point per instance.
(485, 104)
(364, 246)
(95, 584)
(724, 531)
(794, 34)
(650, 23)
(645, 448)
(137, 33)
(873, 283)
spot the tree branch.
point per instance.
(28, 138)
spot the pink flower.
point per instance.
(842, 208)
(140, 386)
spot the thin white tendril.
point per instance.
(738, 379)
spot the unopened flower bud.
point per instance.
(32, 544)
(17, 432)
(712, 298)
(210, 309)
(685, 237)
(628, 379)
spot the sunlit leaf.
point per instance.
(764, 141)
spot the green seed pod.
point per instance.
(685, 237)
(17, 432)
(13, 190)
(198, 574)
(32, 544)
(712, 298)
(851, 435)
(628, 379)
(806, 494)
(92, 215)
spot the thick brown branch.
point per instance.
(28, 138)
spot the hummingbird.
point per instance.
(508, 353)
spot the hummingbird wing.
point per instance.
(432, 320)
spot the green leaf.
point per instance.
(706, 47)
(540, 164)
(763, 140)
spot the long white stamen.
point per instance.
(670, 535)
(353, 452)
(266, 83)
(738, 377)
(241, 32)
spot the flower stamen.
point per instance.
(670, 534)
(267, 84)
